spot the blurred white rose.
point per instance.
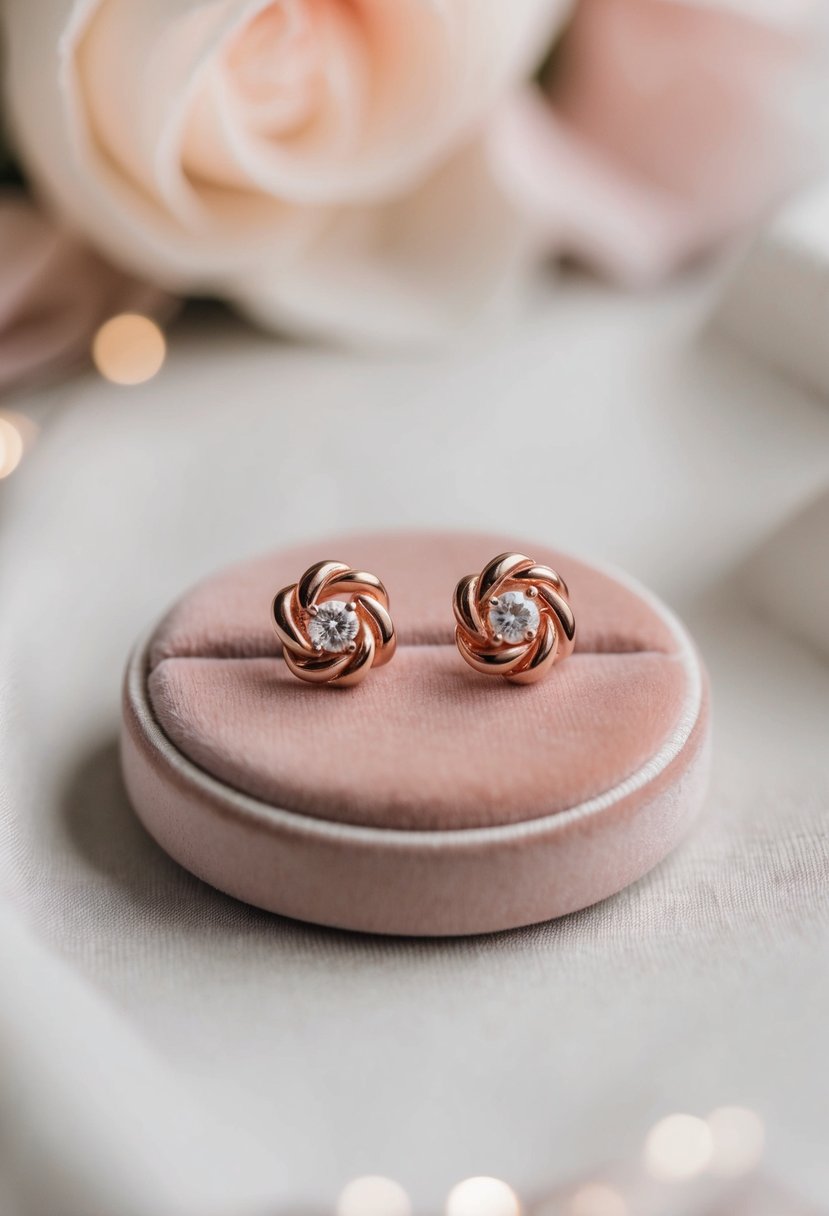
(295, 156)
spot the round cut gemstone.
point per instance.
(512, 615)
(333, 627)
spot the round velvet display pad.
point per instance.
(429, 799)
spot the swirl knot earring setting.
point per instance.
(327, 639)
(513, 620)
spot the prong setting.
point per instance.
(333, 626)
(511, 615)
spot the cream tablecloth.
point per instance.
(165, 1051)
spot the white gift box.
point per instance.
(777, 303)
(789, 576)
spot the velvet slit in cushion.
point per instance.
(429, 799)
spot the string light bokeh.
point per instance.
(597, 1199)
(738, 1138)
(129, 349)
(373, 1195)
(482, 1196)
(11, 446)
(678, 1147)
(17, 434)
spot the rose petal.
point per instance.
(414, 271)
(669, 126)
(223, 142)
(581, 204)
(54, 293)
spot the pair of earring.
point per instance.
(512, 620)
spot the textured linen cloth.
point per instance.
(165, 1050)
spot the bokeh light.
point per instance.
(738, 1137)
(373, 1196)
(11, 445)
(597, 1199)
(129, 349)
(17, 434)
(678, 1147)
(482, 1197)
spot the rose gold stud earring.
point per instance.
(334, 624)
(514, 619)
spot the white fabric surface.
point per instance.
(166, 1050)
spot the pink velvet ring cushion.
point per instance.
(429, 799)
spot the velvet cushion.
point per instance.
(425, 745)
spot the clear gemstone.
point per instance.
(333, 627)
(512, 614)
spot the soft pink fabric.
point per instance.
(391, 882)
(427, 800)
(666, 126)
(54, 293)
(428, 744)
(425, 743)
(227, 615)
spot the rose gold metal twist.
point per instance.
(487, 651)
(374, 640)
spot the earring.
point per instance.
(514, 619)
(327, 639)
